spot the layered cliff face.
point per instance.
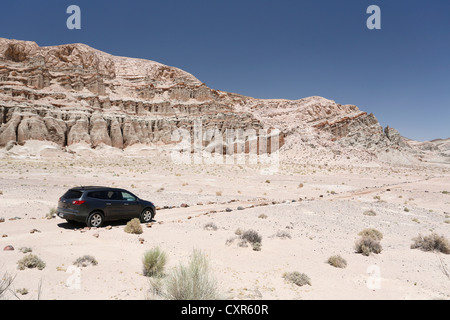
(75, 94)
(72, 94)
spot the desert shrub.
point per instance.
(433, 242)
(262, 216)
(283, 234)
(251, 236)
(210, 226)
(51, 213)
(85, 260)
(154, 262)
(371, 233)
(256, 246)
(297, 278)
(133, 226)
(25, 249)
(22, 291)
(366, 245)
(230, 240)
(337, 261)
(243, 243)
(369, 213)
(156, 286)
(30, 261)
(192, 282)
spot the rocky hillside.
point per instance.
(72, 94)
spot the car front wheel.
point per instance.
(146, 215)
(95, 219)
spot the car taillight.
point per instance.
(78, 202)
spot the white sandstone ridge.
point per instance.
(72, 94)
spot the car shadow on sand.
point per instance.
(79, 225)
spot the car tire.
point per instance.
(95, 219)
(147, 215)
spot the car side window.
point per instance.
(128, 197)
(115, 195)
(97, 195)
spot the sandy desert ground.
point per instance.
(321, 208)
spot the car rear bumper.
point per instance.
(71, 215)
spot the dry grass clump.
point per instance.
(25, 249)
(154, 262)
(283, 234)
(366, 245)
(191, 282)
(297, 278)
(51, 213)
(369, 242)
(371, 233)
(133, 226)
(251, 236)
(210, 226)
(337, 261)
(30, 261)
(85, 260)
(246, 237)
(433, 242)
(5, 283)
(370, 213)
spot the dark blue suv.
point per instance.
(95, 205)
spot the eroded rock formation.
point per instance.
(75, 94)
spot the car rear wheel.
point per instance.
(146, 215)
(95, 219)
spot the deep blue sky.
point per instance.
(275, 48)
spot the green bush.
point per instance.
(154, 262)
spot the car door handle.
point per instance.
(108, 204)
(125, 204)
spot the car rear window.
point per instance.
(72, 194)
